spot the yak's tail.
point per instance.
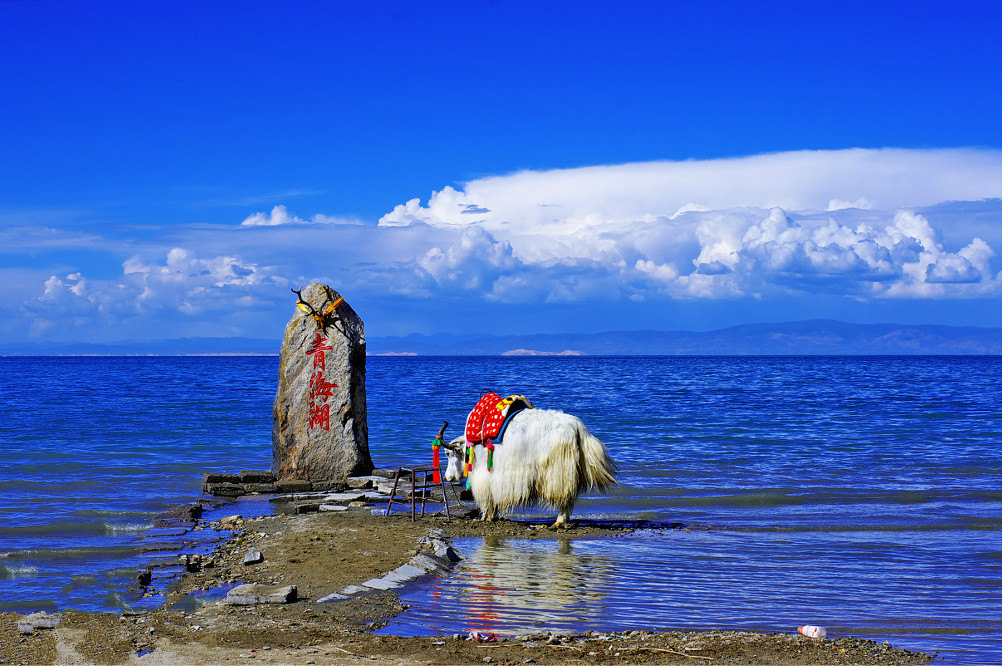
(596, 468)
(575, 463)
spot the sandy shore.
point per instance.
(321, 553)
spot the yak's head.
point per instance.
(454, 458)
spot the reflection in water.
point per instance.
(536, 582)
(516, 586)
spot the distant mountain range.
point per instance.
(174, 347)
(792, 338)
(817, 337)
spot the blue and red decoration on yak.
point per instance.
(486, 422)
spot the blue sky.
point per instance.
(171, 169)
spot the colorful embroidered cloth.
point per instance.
(487, 417)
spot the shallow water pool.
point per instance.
(704, 579)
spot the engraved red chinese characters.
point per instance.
(320, 388)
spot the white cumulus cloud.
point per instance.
(834, 221)
(473, 263)
(280, 215)
(572, 199)
(183, 283)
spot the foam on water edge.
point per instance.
(9, 571)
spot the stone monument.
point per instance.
(319, 429)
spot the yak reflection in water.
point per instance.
(521, 585)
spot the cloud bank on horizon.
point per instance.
(797, 221)
(851, 226)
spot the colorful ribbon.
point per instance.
(468, 465)
(435, 460)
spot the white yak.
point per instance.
(544, 457)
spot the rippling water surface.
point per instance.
(861, 493)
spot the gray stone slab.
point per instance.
(355, 589)
(296, 497)
(260, 487)
(329, 484)
(429, 563)
(294, 485)
(213, 477)
(224, 489)
(43, 620)
(361, 482)
(448, 553)
(256, 476)
(24, 627)
(405, 572)
(333, 507)
(334, 596)
(375, 495)
(246, 588)
(250, 594)
(343, 498)
(382, 584)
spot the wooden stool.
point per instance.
(426, 472)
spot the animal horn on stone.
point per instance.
(319, 317)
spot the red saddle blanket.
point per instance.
(488, 416)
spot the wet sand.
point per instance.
(321, 553)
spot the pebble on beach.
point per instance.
(253, 557)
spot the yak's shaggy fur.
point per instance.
(546, 457)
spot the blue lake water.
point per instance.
(859, 493)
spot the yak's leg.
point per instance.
(564, 514)
(489, 513)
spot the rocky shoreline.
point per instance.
(309, 585)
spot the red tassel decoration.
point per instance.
(435, 460)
